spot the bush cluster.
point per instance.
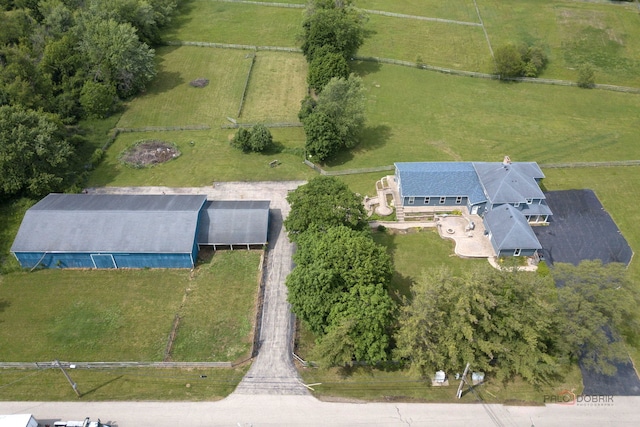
(256, 140)
(520, 61)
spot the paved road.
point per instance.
(272, 372)
(270, 411)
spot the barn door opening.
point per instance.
(103, 261)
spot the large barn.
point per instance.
(133, 231)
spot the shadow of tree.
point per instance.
(99, 386)
(364, 68)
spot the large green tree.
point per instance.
(322, 203)
(33, 154)
(339, 289)
(501, 322)
(332, 25)
(336, 119)
(325, 66)
(114, 54)
(597, 304)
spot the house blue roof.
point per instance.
(439, 179)
(510, 229)
(509, 183)
(110, 223)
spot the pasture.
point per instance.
(605, 34)
(459, 10)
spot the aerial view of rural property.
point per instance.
(319, 213)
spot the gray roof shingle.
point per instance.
(234, 223)
(510, 183)
(110, 223)
(510, 229)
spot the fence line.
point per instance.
(269, 125)
(163, 128)
(486, 35)
(112, 365)
(272, 4)
(246, 85)
(591, 164)
(347, 171)
(420, 18)
(234, 46)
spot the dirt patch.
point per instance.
(201, 82)
(149, 153)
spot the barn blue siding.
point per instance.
(83, 260)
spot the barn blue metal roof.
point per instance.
(110, 223)
(439, 179)
(510, 229)
(240, 222)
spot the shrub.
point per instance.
(256, 140)
(241, 140)
(586, 76)
(520, 61)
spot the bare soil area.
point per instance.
(148, 153)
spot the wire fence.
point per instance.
(163, 128)
(421, 18)
(591, 164)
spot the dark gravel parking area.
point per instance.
(580, 229)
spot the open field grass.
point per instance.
(436, 43)
(210, 158)
(414, 115)
(127, 315)
(605, 34)
(120, 384)
(171, 101)
(277, 85)
(218, 22)
(459, 10)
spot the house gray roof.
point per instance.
(510, 183)
(510, 229)
(234, 223)
(439, 179)
(110, 223)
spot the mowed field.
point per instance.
(127, 315)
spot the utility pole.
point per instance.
(74, 386)
(463, 380)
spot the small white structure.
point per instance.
(477, 377)
(18, 420)
(440, 379)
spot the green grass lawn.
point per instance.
(434, 43)
(171, 101)
(210, 158)
(219, 22)
(127, 315)
(605, 34)
(398, 385)
(416, 251)
(120, 384)
(218, 314)
(459, 10)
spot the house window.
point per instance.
(427, 200)
(443, 200)
(411, 200)
(458, 200)
(516, 205)
(516, 252)
(529, 201)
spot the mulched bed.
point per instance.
(149, 152)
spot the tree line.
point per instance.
(507, 323)
(62, 61)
